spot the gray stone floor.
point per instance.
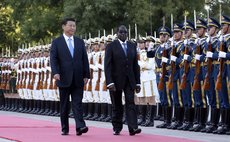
(148, 130)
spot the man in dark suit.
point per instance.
(122, 74)
(70, 67)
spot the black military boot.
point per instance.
(167, 117)
(226, 126)
(90, 111)
(97, 112)
(11, 104)
(47, 108)
(109, 114)
(57, 108)
(38, 107)
(42, 107)
(52, 108)
(142, 114)
(104, 108)
(85, 109)
(179, 116)
(202, 120)
(150, 116)
(30, 106)
(215, 116)
(26, 106)
(159, 112)
(189, 114)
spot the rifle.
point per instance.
(197, 84)
(173, 67)
(208, 74)
(18, 77)
(221, 69)
(33, 75)
(161, 83)
(30, 85)
(47, 76)
(39, 77)
(91, 76)
(97, 87)
(24, 83)
(20, 83)
(3, 78)
(186, 69)
(42, 75)
(7, 85)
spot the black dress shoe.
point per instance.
(82, 130)
(116, 132)
(64, 133)
(134, 132)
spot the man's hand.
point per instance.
(57, 76)
(138, 89)
(85, 80)
(112, 88)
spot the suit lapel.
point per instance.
(128, 49)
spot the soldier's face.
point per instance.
(177, 35)
(141, 45)
(102, 46)
(212, 31)
(122, 33)
(225, 28)
(187, 33)
(69, 28)
(200, 32)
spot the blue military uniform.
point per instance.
(165, 97)
(225, 89)
(187, 94)
(178, 101)
(198, 94)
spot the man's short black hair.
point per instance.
(121, 26)
(65, 20)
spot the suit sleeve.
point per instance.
(54, 58)
(136, 67)
(108, 64)
(86, 73)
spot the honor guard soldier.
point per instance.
(197, 78)
(223, 78)
(214, 102)
(185, 73)
(162, 77)
(174, 79)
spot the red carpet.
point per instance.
(30, 130)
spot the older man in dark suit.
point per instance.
(70, 67)
(122, 74)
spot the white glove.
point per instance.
(173, 43)
(151, 45)
(173, 58)
(164, 59)
(197, 57)
(186, 42)
(222, 54)
(221, 38)
(208, 39)
(186, 56)
(197, 41)
(209, 54)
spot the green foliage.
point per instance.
(34, 21)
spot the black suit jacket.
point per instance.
(71, 70)
(118, 67)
